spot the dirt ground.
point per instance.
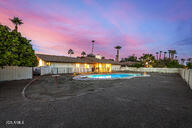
(159, 101)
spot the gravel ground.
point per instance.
(159, 101)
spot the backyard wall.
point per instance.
(115, 67)
(15, 73)
(186, 74)
(61, 70)
(159, 70)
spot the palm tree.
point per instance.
(183, 61)
(157, 54)
(117, 56)
(189, 60)
(175, 57)
(16, 21)
(165, 55)
(93, 41)
(169, 51)
(160, 54)
(70, 52)
(83, 53)
(173, 54)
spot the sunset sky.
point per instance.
(139, 26)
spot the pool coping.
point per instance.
(81, 77)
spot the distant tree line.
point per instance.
(148, 60)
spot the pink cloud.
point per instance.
(55, 32)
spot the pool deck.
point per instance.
(159, 101)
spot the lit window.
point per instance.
(40, 62)
(77, 65)
(48, 64)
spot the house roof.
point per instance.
(65, 59)
(95, 60)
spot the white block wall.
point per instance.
(159, 70)
(186, 74)
(8, 73)
(115, 67)
(61, 70)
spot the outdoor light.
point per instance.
(40, 62)
(86, 66)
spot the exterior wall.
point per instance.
(115, 67)
(186, 74)
(45, 70)
(54, 64)
(159, 70)
(15, 73)
(71, 65)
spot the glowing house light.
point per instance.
(86, 65)
(40, 62)
(77, 65)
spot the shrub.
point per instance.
(174, 64)
(189, 65)
(137, 65)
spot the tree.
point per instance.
(172, 54)
(183, 61)
(147, 59)
(132, 58)
(189, 65)
(175, 57)
(16, 21)
(165, 55)
(83, 53)
(70, 52)
(117, 56)
(15, 50)
(93, 41)
(173, 64)
(90, 55)
(169, 51)
(160, 54)
(189, 60)
(157, 55)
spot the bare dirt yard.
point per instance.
(159, 101)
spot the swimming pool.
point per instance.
(108, 76)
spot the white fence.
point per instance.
(8, 73)
(186, 74)
(159, 70)
(61, 70)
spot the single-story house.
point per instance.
(97, 65)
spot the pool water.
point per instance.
(108, 76)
